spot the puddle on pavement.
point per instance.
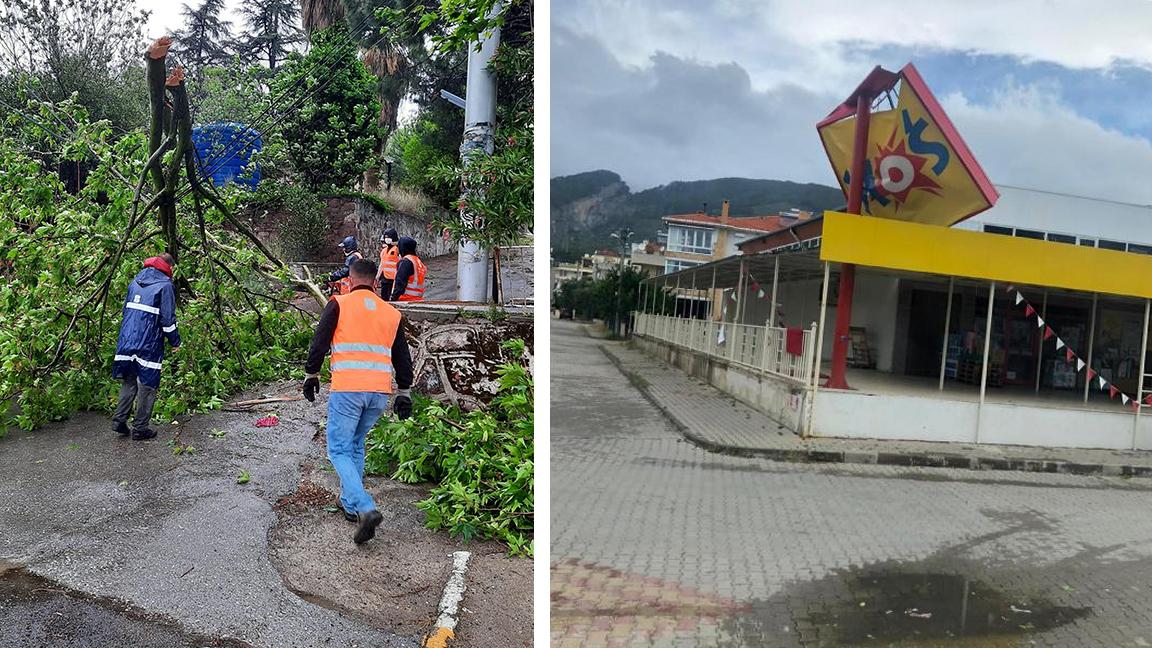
(887, 608)
(35, 611)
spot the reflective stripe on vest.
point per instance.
(389, 258)
(362, 343)
(414, 291)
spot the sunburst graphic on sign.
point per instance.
(899, 171)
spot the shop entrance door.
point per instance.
(1021, 344)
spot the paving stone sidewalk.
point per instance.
(716, 421)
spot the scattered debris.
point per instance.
(249, 405)
(915, 613)
(217, 433)
(268, 421)
(244, 477)
(1019, 610)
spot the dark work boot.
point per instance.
(122, 429)
(368, 522)
(143, 435)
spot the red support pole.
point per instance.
(838, 378)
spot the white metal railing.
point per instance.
(762, 348)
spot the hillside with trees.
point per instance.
(586, 207)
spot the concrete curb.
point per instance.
(449, 607)
(968, 461)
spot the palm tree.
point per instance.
(320, 14)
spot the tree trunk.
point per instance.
(320, 14)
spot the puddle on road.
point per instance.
(888, 608)
(35, 611)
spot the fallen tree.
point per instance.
(67, 259)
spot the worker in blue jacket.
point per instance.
(149, 318)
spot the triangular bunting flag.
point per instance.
(1124, 397)
(760, 293)
(1009, 288)
(1148, 399)
(1135, 405)
(1112, 391)
(1029, 311)
(1039, 322)
(1080, 366)
(1048, 332)
(1091, 374)
(1069, 355)
(755, 286)
(1060, 345)
(1019, 298)
(1102, 382)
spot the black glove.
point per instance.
(311, 387)
(403, 404)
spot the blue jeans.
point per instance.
(350, 416)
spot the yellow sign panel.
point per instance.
(880, 243)
(917, 168)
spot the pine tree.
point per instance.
(203, 40)
(273, 28)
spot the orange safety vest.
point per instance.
(389, 257)
(362, 343)
(414, 291)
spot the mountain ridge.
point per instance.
(587, 207)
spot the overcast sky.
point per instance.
(166, 15)
(1050, 94)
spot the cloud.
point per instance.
(1048, 93)
(1025, 137)
(677, 119)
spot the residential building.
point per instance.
(648, 257)
(694, 239)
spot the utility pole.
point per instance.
(623, 234)
(479, 125)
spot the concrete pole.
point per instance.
(1091, 340)
(712, 297)
(947, 325)
(775, 286)
(692, 303)
(1140, 384)
(479, 126)
(743, 283)
(819, 352)
(987, 347)
(1040, 351)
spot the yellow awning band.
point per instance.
(899, 245)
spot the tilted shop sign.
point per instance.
(917, 167)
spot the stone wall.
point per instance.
(360, 218)
(455, 356)
(369, 223)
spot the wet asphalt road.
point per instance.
(174, 538)
(656, 542)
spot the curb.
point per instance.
(449, 608)
(967, 461)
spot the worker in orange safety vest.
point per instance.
(411, 273)
(389, 259)
(370, 363)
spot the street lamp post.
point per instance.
(622, 234)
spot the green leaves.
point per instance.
(481, 460)
(55, 258)
(243, 477)
(331, 136)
